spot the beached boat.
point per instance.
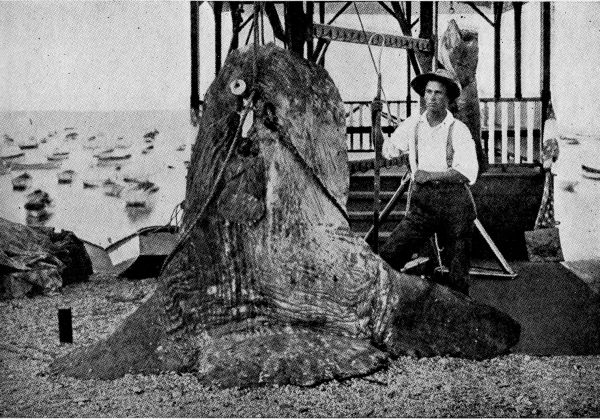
(36, 166)
(590, 172)
(141, 255)
(181, 147)
(29, 143)
(21, 182)
(66, 176)
(99, 257)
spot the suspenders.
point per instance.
(449, 147)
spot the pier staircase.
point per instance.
(360, 201)
(507, 199)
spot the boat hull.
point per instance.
(142, 254)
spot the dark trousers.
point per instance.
(446, 209)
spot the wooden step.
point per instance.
(363, 201)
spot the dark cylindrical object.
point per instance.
(65, 325)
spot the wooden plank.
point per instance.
(504, 116)
(357, 36)
(530, 139)
(492, 130)
(517, 132)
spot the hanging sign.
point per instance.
(357, 36)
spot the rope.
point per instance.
(216, 183)
(377, 69)
(292, 148)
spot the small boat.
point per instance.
(71, 136)
(569, 140)
(36, 166)
(66, 176)
(105, 151)
(149, 136)
(147, 149)
(4, 168)
(21, 182)
(58, 154)
(140, 195)
(31, 142)
(37, 201)
(181, 147)
(112, 156)
(92, 143)
(112, 188)
(122, 144)
(11, 153)
(99, 257)
(91, 180)
(141, 255)
(590, 172)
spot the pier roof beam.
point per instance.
(479, 12)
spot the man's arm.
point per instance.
(397, 143)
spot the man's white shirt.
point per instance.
(432, 145)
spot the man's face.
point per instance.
(436, 97)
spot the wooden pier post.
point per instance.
(65, 325)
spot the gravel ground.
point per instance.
(514, 385)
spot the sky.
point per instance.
(118, 55)
(94, 55)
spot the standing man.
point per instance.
(443, 162)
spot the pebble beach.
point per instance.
(516, 385)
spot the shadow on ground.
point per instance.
(558, 312)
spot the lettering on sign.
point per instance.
(335, 33)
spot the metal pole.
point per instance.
(408, 75)
(435, 36)
(518, 8)
(545, 35)
(217, 12)
(497, 68)
(195, 63)
(377, 144)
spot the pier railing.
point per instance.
(514, 139)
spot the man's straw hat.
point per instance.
(443, 76)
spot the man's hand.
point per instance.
(388, 150)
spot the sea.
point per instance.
(88, 212)
(102, 219)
